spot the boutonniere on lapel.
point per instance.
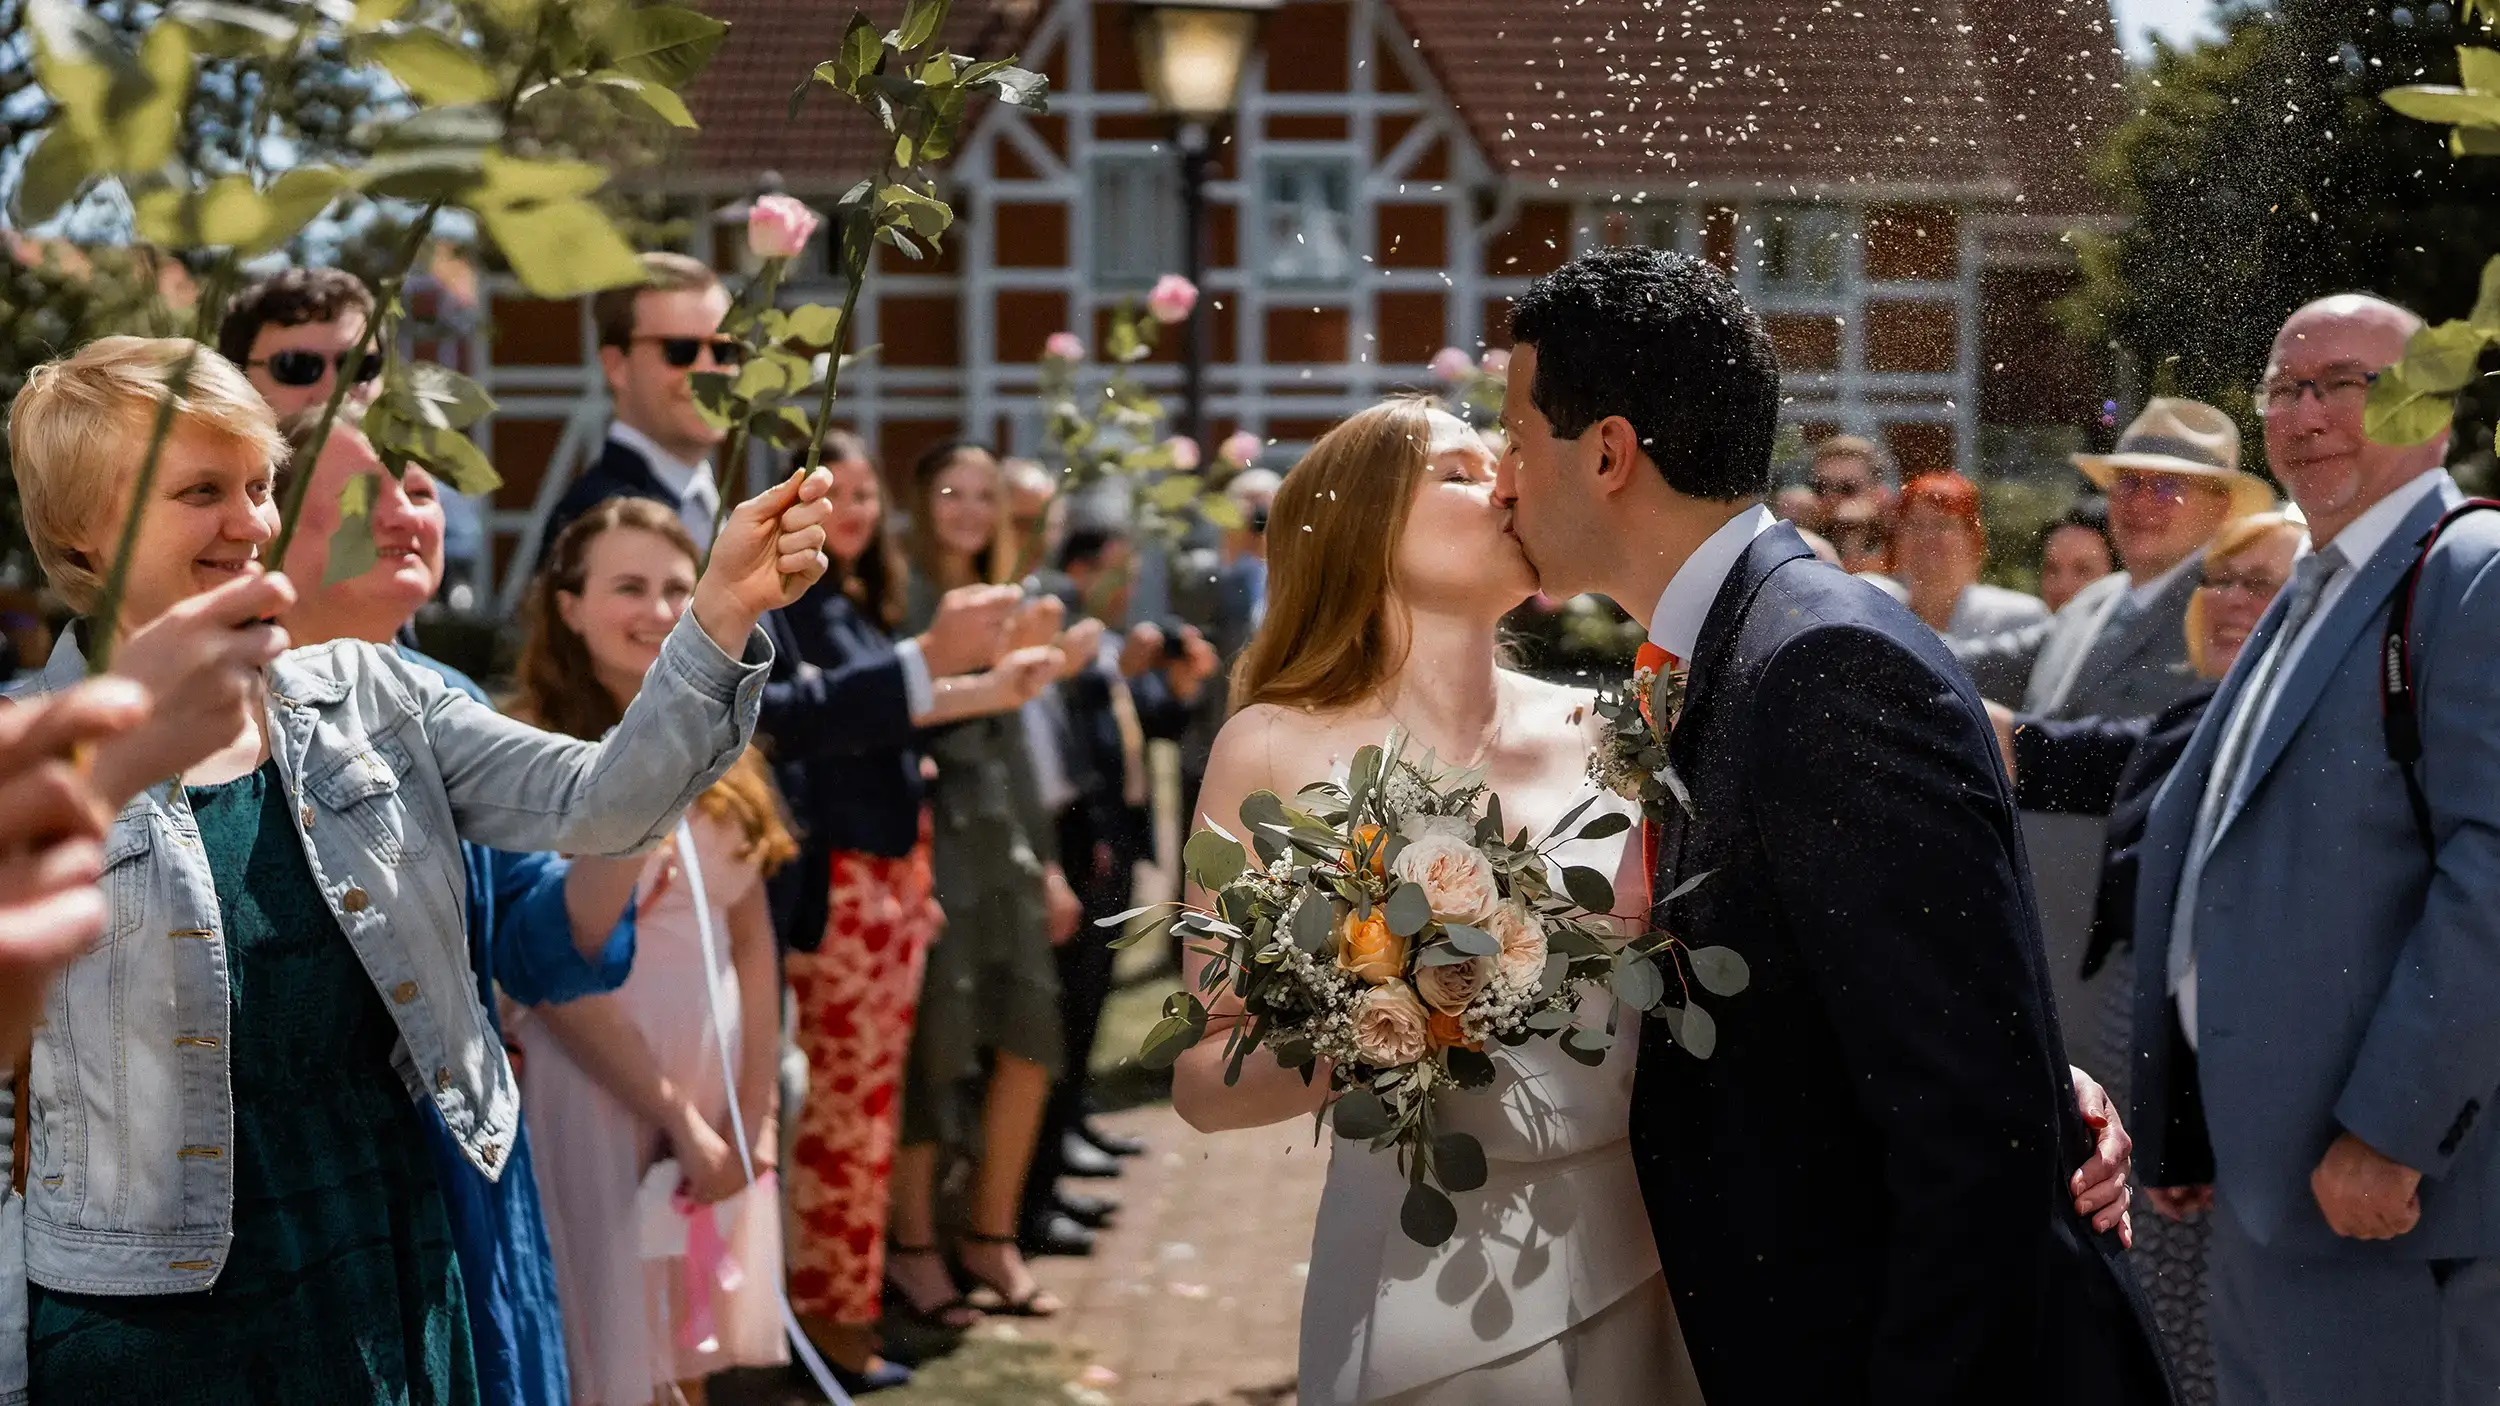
(1631, 756)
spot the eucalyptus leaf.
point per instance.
(1638, 983)
(1556, 830)
(1589, 889)
(1314, 924)
(1409, 911)
(1121, 919)
(1167, 1042)
(1720, 970)
(1458, 1162)
(1427, 1217)
(1360, 1115)
(1441, 954)
(1687, 886)
(1695, 1032)
(1474, 941)
(1607, 826)
(1213, 860)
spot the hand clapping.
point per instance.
(768, 552)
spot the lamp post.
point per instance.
(1192, 55)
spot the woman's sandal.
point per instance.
(952, 1316)
(1036, 1302)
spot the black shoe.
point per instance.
(1079, 1158)
(1091, 1212)
(1054, 1233)
(1105, 1140)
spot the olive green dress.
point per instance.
(340, 1285)
(992, 981)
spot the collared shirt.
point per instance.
(698, 497)
(1684, 606)
(2141, 593)
(2360, 540)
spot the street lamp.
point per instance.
(1192, 55)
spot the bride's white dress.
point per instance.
(1549, 1294)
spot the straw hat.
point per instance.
(2184, 437)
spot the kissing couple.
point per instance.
(1885, 1184)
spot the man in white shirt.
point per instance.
(2316, 974)
(652, 339)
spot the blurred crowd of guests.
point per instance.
(830, 1034)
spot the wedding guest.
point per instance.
(1939, 547)
(1849, 469)
(1796, 503)
(2075, 551)
(283, 1237)
(988, 1041)
(522, 938)
(634, 1080)
(857, 909)
(293, 334)
(1036, 515)
(1240, 605)
(653, 337)
(2114, 767)
(2316, 918)
(1134, 690)
(1860, 531)
(2119, 648)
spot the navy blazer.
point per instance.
(2112, 767)
(620, 473)
(1861, 1196)
(836, 720)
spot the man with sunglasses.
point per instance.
(294, 333)
(652, 338)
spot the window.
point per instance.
(1306, 210)
(1801, 247)
(1137, 219)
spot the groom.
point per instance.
(1863, 1195)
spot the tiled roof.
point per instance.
(1728, 94)
(743, 97)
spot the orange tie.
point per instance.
(1652, 659)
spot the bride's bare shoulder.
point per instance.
(1272, 747)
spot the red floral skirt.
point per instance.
(857, 994)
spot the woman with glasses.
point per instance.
(2113, 767)
(1938, 548)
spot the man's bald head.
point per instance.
(2317, 390)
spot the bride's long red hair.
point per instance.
(1330, 637)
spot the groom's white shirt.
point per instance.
(1684, 606)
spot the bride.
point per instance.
(1389, 572)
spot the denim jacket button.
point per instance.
(353, 900)
(404, 992)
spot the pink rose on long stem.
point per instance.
(1184, 452)
(1452, 365)
(1063, 346)
(1172, 299)
(1241, 448)
(1390, 1025)
(778, 227)
(1448, 989)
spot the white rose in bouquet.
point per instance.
(1455, 876)
(1523, 945)
(1448, 989)
(1389, 1025)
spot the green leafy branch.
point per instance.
(1117, 433)
(2414, 401)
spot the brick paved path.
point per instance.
(1193, 1297)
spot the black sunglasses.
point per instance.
(681, 352)
(304, 368)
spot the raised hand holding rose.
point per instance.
(771, 549)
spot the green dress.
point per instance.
(992, 981)
(340, 1286)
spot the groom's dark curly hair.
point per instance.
(1664, 341)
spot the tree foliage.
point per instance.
(2263, 170)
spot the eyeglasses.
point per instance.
(2169, 490)
(1838, 488)
(2259, 589)
(2341, 390)
(682, 352)
(305, 368)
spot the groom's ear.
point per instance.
(1620, 462)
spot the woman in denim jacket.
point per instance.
(228, 1195)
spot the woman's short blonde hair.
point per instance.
(79, 428)
(2239, 535)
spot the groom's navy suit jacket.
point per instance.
(1862, 1195)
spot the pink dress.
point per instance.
(630, 1321)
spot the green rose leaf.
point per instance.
(648, 98)
(1016, 87)
(1458, 1159)
(2479, 69)
(2400, 412)
(858, 57)
(233, 31)
(373, 14)
(1212, 860)
(351, 543)
(663, 44)
(295, 200)
(52, 175)
(2486, 314)
(2456, 106)
(921, 19)
(562, 248)
(435, 71)
(1589, 889)
(1720, 970)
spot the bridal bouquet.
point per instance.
(1391, 927)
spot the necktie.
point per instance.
(1659, 665)
(2309, 580)
(701, 510)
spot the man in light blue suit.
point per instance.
(2317, 1018)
